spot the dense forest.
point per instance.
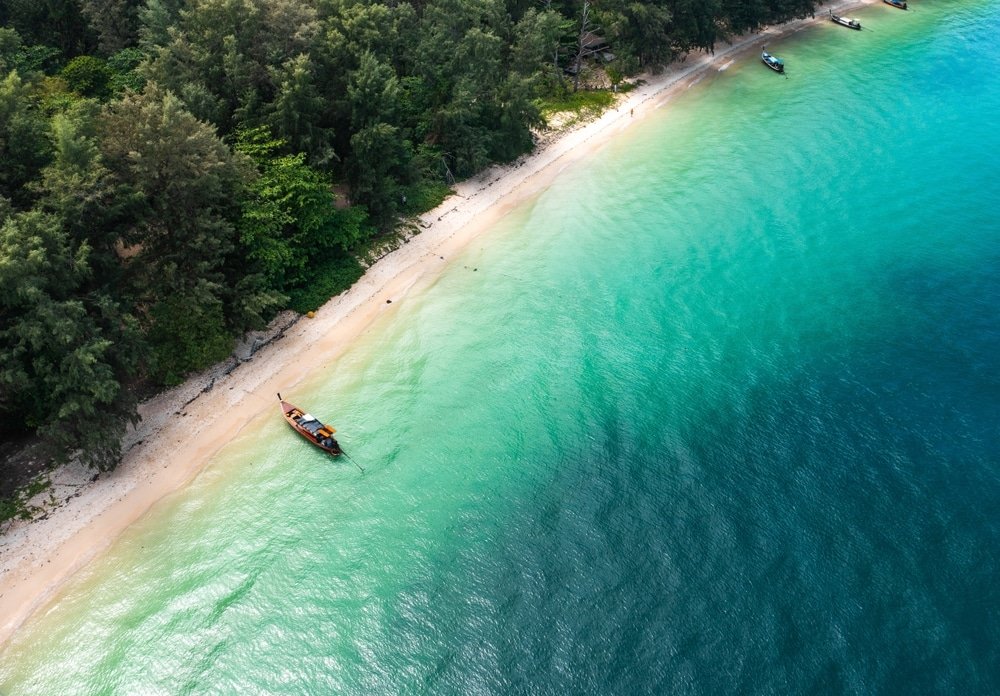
(168, 167)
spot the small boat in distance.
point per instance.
(845, 22)
(310, 427)
(773, 62)
(901, 4)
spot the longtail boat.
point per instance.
(845, 22)
(773, 62)
(310, 427)
(901, 4)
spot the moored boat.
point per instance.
(845, 22)
(773, 62)
(901, 4)
(310, 427)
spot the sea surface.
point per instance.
(718, 412)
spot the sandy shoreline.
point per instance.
(37, 558)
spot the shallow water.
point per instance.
(717, 412)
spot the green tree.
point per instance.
(64, 349)
(351, 29)
(91, 203)
(639, 29)
(24, 145)
(290, 225)
(187, 179)
(380, 155)
(183, 241)
(744, 15)
(88, 76)
(514, 114)
(156, 17)
(116, 22)
(221, 55)
(537, 45)
(461, 58)
(695, 24)
(56, 23)
(124, 67)
(15, 55)
(380, 161)
(298, 110)
(188, 333)
(373, 93)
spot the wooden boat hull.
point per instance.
(777, 67)
(316, 432)
(844, 22)
(898, 5)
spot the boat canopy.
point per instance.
(310, 423)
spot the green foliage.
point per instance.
(227, 54)
(16, 506)
(326, 280)
(584, 103)
(116, 22)
(461, 60)
(423, 196)
(189, 183)
(697, 24)
(88, 76)
(537, 36)
(380, 159)
(351, 29)
(93, 205)
(66, 348)
(639, 29)
(515, 114)
(57, 23)
(189, 333)
(296, 112)
(183, 229)
(9, 509)
(15, 55)
(373, 93)
(379, 163)
(54, 95)
(616, 76)
(24, 147)
(289, 222)
(124, 67)
(156, 17)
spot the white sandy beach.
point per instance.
(36, 558)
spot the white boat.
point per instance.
(845, 22)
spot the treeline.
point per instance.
(168, 167)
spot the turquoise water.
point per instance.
(716, 413)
